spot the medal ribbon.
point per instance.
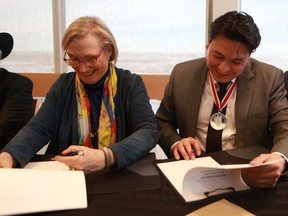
(224, 101)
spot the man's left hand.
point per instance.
(268, 175)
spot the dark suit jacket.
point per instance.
(261, 105)
(16, 104)
(286, 81)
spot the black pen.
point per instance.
(73, 153)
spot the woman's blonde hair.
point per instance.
(82, 26)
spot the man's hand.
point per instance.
(268, 175)
(188, 148)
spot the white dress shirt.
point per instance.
(207, 102)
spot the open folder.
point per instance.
(203, 178)
(36, 190)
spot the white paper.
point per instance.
(200, 182)
(47, 165)
(33, 190)
(197, 179)
(176, 170)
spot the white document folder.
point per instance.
(31, 190)
(203, 177)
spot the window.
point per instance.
(152, 35)
(272, 23)
(30, 24)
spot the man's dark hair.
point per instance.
(236, 26)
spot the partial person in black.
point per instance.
(16, 101)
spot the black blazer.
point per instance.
(16, 104)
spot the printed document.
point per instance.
(204, 177)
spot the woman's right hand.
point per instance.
(6, 160)
(90, 160)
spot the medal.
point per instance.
(218, 121)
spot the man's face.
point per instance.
(226, 59)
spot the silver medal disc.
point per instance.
(218, 121)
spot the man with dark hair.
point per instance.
(227, 101)
(16, 102)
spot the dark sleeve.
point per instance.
(286, 81)
(137, 129)
(17, 109)
(39, 130)
(167, 119)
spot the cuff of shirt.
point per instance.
(173, 146)
(285, 171)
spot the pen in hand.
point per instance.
(73, 153)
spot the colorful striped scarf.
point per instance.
(107, 119)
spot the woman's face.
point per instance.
(90, 60)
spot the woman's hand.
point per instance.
(88, 160)
(6, 160)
